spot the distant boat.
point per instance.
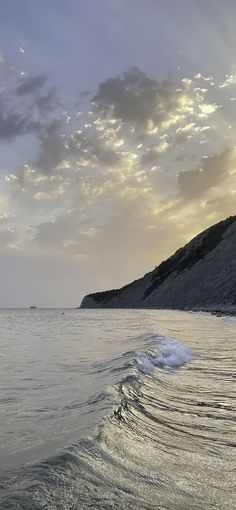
(33, 306)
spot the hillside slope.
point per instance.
(200, 275)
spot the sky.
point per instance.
(117, 139)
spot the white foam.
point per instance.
(172, 354)
(231, 320)
(145, 364)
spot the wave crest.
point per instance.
(172, 354)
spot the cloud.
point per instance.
(71, 233)
(154, 152)
(141, 101)
(13, 125)
(31, 84)
(27, 104)
(95, 163)
(52, 151)
(222, 205)
(107, 182)
(57, 233)
(212, 171)
(9, 237)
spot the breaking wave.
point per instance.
(172, 355)
(151, 452)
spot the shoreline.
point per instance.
(220, 311)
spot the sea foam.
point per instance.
(171, 355)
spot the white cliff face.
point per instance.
(200, 275)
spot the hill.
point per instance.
(201, 275)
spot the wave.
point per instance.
(151, 452)
(172, 354)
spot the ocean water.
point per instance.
(117, 409)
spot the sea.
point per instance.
(117, 409)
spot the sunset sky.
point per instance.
(117, 135)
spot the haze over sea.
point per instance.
(117, 409)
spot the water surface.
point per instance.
(117, 409)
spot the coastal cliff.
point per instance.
(201, 275)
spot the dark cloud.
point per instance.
(12, 125)
(52, 152)
(28, 105)
(84, 93)
(47, 103)
(137, 99)
(92, 149)
(32, 84)
(76, 148)
(212, 171)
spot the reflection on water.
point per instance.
(117, 409)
